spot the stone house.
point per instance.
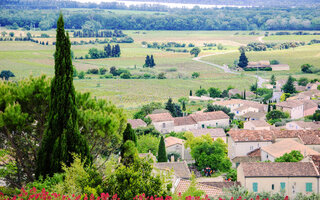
(243, 142)
(278, 149)
(245, 109)
(211, 119)
(309, 107)
(236, 103)
(294, 108)
(302, 125)
(312, 86)
(252, 116)
(136, 123)
(257, 125)
(215, 133)
(176, 145)
(184, 123)
(163, 122)
(293, 177)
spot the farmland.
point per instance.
(26, 58)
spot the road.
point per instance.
(225, 68)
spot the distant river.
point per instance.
(170, 5)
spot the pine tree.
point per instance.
(190, 93)
(289, 86)
(62, 137)
(243, 60)
(162, 155)
(152, 63)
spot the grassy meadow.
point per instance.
(28, 58)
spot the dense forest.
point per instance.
(180, 19)
(53, 4)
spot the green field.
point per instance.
(27, 58)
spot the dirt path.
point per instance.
(225, 68)
(261, 39)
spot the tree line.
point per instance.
(91, 33)
(180, 19)
(107, 52)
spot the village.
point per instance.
(252, 149)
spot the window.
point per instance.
(282, 185)
(255, 187)
(202, 125)
(163, 125)
(308, 187)
(237, 164)
(272, 186)
(217, 124)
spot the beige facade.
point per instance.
(294, 108)
(164, 127)
(183, 128)
(239, 149)
(303, 178)
(255, 125)
(213, 123)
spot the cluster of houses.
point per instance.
(254, 149)
(266, 64)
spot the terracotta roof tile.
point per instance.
(135, 123)
(255, 153)
(221, 184)
(161, 117)
(250, 135)
(290, 104)
(259, 123)
(208, 116)
(310, 139)
(279, 169)
(181, 121)
(286, 146)
(307, 104)
(213, 132)
(180, 169)
(169, 141)
(209, 190)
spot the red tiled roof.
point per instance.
(255, 153)
(161, 117)
(310, 139)
(181, 121)
(209, 190)
(213, 132)
(169, 141)
(279, 169)
(135, 123)
(290, 104)
(208, 116)
(180, 169)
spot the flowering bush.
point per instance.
(43, 195)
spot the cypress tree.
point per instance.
(62, 137)
(162, 155)
(269, 108)
(184, 106)
(113, 52)
(274, 107)
(243, 60)
(170, 107)
(128, 134)
(152, 63)
(190, 93)
(108, 50)
(244, 95)
(118, 51)
(147, 62)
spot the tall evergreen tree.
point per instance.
(183, 106)
(128, 134)
(170, 107)
(62, 137)
(108, 50)
(152, 63)
(113, 52)
(147, 61)
(244, 95)
(117, 50)
(269, 107)
(162, 155)
(289, 86)
(190, 93)
(243, 60)
(273, 80)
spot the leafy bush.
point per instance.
(125, 75)
(259, 69)
(201, 92)
(195, 74)
(274, 62)
(93, 71)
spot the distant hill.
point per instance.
(268, 3)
